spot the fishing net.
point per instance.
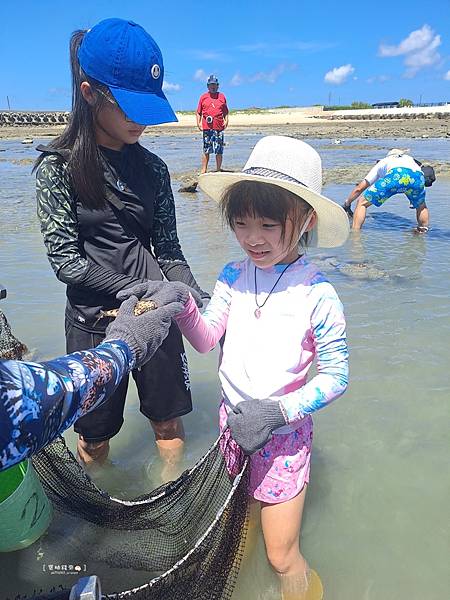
(10, 347)
(186, 538)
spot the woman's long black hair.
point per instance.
(84, 164)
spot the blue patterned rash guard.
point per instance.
(38, 402)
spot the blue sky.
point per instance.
(265, 53)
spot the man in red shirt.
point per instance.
(212, 119)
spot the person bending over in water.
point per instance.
(107, 216)
(279, 314)
(397, 173)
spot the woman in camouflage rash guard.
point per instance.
(107, 216)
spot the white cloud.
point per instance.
(267, 76)
(419, 50)
(171, 87)
(425, 58)
(200, 75)
(416, 40)
(339, 75)
(447, 76)
(236, 80)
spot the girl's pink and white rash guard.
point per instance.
(269, 357)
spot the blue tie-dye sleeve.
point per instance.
(38, 402)
(329, 335)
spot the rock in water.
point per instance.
(362, 270)
(353, 269)
(189, 188)
(10, 347)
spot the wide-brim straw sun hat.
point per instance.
(294, 166)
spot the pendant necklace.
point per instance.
(257, 311)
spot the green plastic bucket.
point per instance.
(25, 510)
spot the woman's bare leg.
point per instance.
(92, 453)
(169, 437)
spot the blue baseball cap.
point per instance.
(124, 57)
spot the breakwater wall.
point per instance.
(376, 116)
(10, 118)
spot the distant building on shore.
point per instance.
(385, 105)
(397, 104)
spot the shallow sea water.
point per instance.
(376, 524)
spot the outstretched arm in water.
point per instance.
(38, 402)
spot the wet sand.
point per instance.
(348, 174)
(429, 127)
(337, 131)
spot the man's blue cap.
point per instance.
(124, 57)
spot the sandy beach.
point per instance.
(415, 122)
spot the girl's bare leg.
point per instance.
(281, 529)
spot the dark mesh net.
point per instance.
(10, 347)
(185, 538)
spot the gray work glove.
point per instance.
(162, 292)
(252, 422)
(145, 333)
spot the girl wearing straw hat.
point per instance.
(279, 314)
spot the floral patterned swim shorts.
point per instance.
(280, 470)
(398, 181)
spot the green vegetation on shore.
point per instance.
(352, 106)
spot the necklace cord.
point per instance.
(274, 285)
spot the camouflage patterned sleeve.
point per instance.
(57, 215)
(164, 237)
(38, 402)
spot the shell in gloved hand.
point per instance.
(141, 307)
